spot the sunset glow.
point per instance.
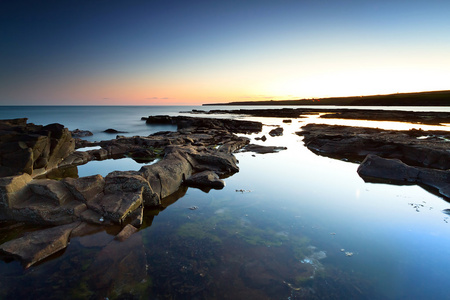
(158, 53)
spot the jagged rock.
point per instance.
(126, 232)
(395, 171)
(37, 245)
(205, 179)
(276, 132)
(32, 149)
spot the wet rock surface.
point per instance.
(198, 153)
(415, 147)
(414, 156)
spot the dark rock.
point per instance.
(375, 168)
(276, 132)
(287, 121)
(110, 130)
(32, 149)
(235, 126)
(263, 138)
(86, 188)
(354, 143)
(262, 149)
(117, 206)
(166, 176)
(77, 133)
(37, 245)
(131, 181)
(205, 179)
(53, 190)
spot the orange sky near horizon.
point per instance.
(210, 52)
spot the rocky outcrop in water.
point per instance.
(414, 156)
(378, 169)
(431, 118)
(198, 154)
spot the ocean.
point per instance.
(288, 225)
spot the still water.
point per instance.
(289, 225)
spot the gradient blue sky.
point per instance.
(191, 52)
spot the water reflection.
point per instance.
(307, 227)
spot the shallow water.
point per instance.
(280, 229)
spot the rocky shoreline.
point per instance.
(39, 183)
(35, 189)
(426, 118)
(399, 157)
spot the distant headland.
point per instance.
(434, 98)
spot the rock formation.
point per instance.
(411, 157)
(198, 154)
(32, 149)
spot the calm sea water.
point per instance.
(290, 225)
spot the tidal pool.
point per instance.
(289, 225)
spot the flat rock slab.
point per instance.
(36, 246)
(116, 207)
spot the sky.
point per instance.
(110, 52)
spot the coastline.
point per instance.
(128, 180)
